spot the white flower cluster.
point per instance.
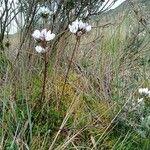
(79, 27)
(144, 92)
(42, 37)
(44, 12)
(40, 49)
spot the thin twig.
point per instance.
(45, 76)
(69, 66)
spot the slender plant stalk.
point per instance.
(68, 70)
(45, 75)
(45, 64)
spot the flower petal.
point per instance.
(70, 28)
(39, 49)
(73, 28)
(82, 25)
(49, 36)
(77, 26)
(143, 91)
(88, 28)
(49, 32)
(45, 10)
(76, 22)
(36, 34)
(43, 34)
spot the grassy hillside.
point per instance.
(100, 107)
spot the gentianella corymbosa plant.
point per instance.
(42, 38)
(78, 28)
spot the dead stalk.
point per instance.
(45, 76)
(68, 70)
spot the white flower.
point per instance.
(49, 36)
(84, 26)
(81, 25)
(78, 26)
(143, 91)
(74, 27)
(44, 35)
(45, 10)
(36, 34)
(88, 28)
(40, 49)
